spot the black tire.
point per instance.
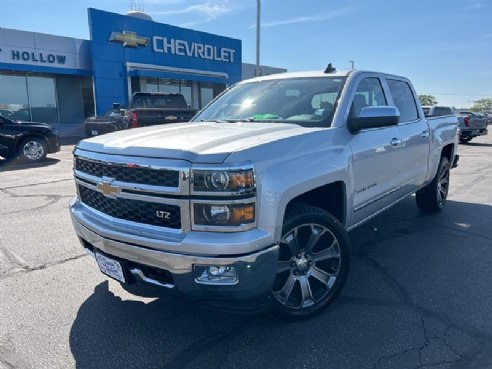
(32, 150)
(432, 198)
(313, 262)
(465, 139)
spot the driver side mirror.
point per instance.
(374, 117)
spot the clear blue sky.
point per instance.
(444, 47)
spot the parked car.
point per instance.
(29, 141)
(113, 120)
(471, 125)
(150, 108)
(249, 205)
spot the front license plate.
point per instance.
(110, 267)
(94, 133)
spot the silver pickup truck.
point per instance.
(248, 206)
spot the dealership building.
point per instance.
(62, 80)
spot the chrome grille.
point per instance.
(132, 210)
(129, 173)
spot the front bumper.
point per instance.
(255, 271)
(53, 143)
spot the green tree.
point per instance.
(428, 100)
(482, 105)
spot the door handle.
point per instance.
(424, 134)
(395, 142)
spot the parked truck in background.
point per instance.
(151, 108)
(471, 125)
(250, 204)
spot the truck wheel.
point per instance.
(465, 139)
(32, 149)
(432, 198)
(313, 261)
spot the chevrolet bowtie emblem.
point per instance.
(128, 39)
(108, 189)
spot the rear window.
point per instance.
(159, 101)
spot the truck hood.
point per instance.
(194, 142)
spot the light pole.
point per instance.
(352, 62)
(258, 14)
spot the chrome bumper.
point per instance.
(255, 270)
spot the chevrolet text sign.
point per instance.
(192, 49)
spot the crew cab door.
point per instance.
(375, 163)
(415, 135)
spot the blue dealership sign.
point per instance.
(125, 46)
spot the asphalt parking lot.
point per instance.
(419, 293)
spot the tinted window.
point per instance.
(404, 100)
(426, 111)
(442, 111)
(159, 101)
(369, 93)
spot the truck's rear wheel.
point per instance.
(313, 261)
(432, 197)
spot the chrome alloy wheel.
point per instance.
(443, 184)
(309, 264)
(33, 150)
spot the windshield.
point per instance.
(304, 101)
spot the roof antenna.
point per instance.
(330, 69)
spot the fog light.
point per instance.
(211, 274)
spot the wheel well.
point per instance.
(447, 152)
(330, 197)
(30, 135)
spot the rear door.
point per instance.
(415, 135)
(375, 155)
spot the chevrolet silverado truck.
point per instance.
(471, 125)
(249, 205)
(151, 108)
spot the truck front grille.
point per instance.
(151, 213)
(129, 173)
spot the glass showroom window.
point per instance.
(42, 98)
(14, 103)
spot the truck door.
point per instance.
(415, 135)
(375, 152)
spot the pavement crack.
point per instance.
(480, 337)
(36, 184)
(29, 269)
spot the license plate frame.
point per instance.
(94, 133)
(110, 267)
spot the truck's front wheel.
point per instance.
(313, 261)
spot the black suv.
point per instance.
(29, 141)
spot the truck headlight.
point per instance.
(229, 180)
(224, 214)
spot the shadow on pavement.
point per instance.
(113, 333)
(477, 144)
(12, 164)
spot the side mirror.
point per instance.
(374, 117)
